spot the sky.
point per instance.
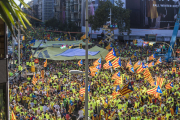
(17, 1)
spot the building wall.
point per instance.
(47, 9)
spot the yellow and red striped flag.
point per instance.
(82, 91)
(129, 64)
(107, 65)
(97, 62)
(169, 85)
(141, 68)
(116, 63)
(146, 73)
(80, 62)
(45, 63)
(150, 80)
(158, 61)
(152, 91)
(13, 117)
(152, 57)
(34, 81)
(151, 64)
(126, 89)
(137, 64)
(111, 55)
(118, 81)
(116, 75)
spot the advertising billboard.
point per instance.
(153, 13)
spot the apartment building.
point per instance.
(47, 10)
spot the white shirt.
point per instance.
(80, 112)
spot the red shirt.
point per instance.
(67, 116)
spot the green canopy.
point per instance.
(50, 52)
(59, 43)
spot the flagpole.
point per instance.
(86, 65)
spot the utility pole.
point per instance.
(86, 65)
(18, 45)
(13, 46)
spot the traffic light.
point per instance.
(80, 45)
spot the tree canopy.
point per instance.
(120, 15)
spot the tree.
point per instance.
(120, 16)
(10, 12)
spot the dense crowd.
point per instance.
(56, 94)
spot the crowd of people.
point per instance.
(57, 96)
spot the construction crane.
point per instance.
(173, 38)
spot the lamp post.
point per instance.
(86, 65)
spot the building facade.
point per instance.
(47, 10)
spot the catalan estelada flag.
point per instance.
(111, 55)
(116, 75)
(141, 68)
(169, 85)
(126, 89)
(13, 117)
(152, 91)
(129, 64)
(42, 73)
(116, 63)
(150, 80)
(159, 81)
(131, 69)
(80, 62)
(82, 91)
(151, 64)
(94, 68)
(45, 63)
(158, 61)
(118, 81)
(97, 62)
(107, 65)
(137, 64)
(83, 37)
(146, 73)
(34, 81)
(114, 94)
(152, 57)
(109, 46)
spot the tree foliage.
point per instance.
(120, 16)
(10, 13)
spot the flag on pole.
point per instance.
(129, 64)
(169, 85)
(13, 117)
(34, 81)
(118, 81)
(111, 55)
(152, 91)
(80, 62)
(158, 61)
(159, 90)
(126, 89)
(45, 63)
(94, 68)
(141, 68)
(131, 69)
(137, 64)
(116, 75)
(152, 57)
(109, 46)
(107, 65)
(116, 63)
(151, 64)
(82, 91)
(97, 62)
